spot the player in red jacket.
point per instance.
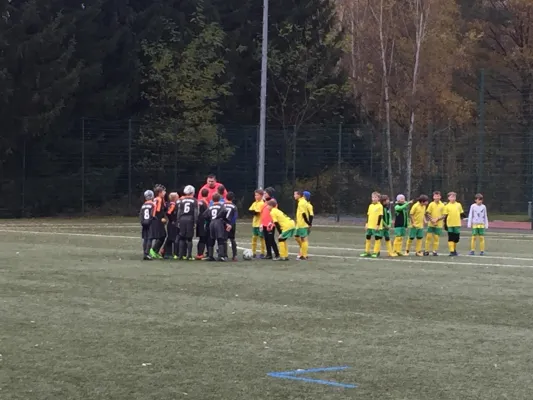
(212, 186)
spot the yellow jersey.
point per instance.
(375, 211)
(436, 210)
(256, 207)
(417, 213)
(285, 223)
(303, 208)
(453, 213)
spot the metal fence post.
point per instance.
(23, 200)
(130, 134)
(82, 165)
(339, 171)
(176, 159)
(294, 139)
(481, 130)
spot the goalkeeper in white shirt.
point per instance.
(478, 220)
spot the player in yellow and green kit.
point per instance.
(374, 226)
(302, 224)
(434, 214)
(286, 228)
(417, 216)
(257, 232)
(453, 213)
(401, 221)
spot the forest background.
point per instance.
(100, 100)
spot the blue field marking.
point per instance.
(292, 375)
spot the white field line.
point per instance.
(409, 261)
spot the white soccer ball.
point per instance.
(247, 254)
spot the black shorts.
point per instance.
(217, 230)
(157, 230)
(201, 231)
(172, 231)
(145, 232)
(186, 226)
(231, 234)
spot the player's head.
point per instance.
(269, 192)
(307, 195)
(211, 181)
(216, 198)
(376, 197)
(148, 195)
(230, 197)
(189, 190)
(437, 196)
(272, 204)
(221, 189)
(160, 191)
(258, 194)
(400, 199)
(452, 197)
(385, 200)
(204, 193)
(173, 196)
(298, 195)
(423, 199)
(479, 198)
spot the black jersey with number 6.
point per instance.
(188, 207)
(146, 213)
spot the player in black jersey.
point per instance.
(158, 233)
(171, 249)
(232, 215)
(187, 217)
(219, 225)
(201, 230)
(146, 220)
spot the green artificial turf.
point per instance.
(82, 317)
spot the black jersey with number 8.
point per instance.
(146, 213)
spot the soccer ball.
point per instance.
(247, 254)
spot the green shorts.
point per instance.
(301, 232)
(417, 233)
(385, 233)
(256, 231)
(378, 233)
(287, 234)
(454, 229)
(400, 232)
(435, 230)
(478, 231)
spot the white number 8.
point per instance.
(147, 214)
(186, 208)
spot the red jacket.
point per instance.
(212, 191)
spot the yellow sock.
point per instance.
(298, 240)
(408, 245)
(398, 243)
(418, 245)
(389, 247)
(263, 246)
(451, 247)
(429, 236)
(436, 242)
(482, 243)
(377, 246)
(473, 243)
(454, 246)
(281, 246)
(286, 249)
(254, 244)
(305, 248)
(368, 243)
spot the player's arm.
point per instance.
(463, 215)
(207, 215)
(305, 217)
(411, 218)
(196, 212)
(486, 218)
(311, 214)
(470, 216)
(253, 210)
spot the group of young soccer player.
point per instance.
(411, 219)
(170, 222)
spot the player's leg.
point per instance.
(274, 244)
(410, 239)
(233, 243)
(457, 238)
(473, 241)
(429, 240)
(304, 247)
(436, 240)
(282, 244)
(419, 242)
(268, 246)
(200, 247)
(399, 233)
(388, 243)
(263, 244)
(378, 235)
(368, 242)
(255, 240)
(451, 243)
(481, 235)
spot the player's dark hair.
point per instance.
(452, 194)
(300, 193)
(270, 191)
(216, 198)
(272, 203)
(221, 189)
(158, 189)
(436, 192)
(204, 192)
(211, 176)
(479, 196)
(384, 198)
(423, 198)
(230, 196)
(260, 191)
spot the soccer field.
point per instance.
(82, 317)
